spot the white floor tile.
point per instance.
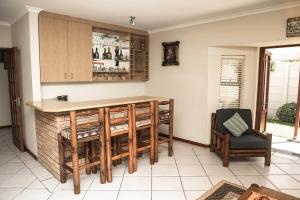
(142, 170)
(134, 195)
(196, 183)
(4, 158)
(67, 195)
(85, 182)
(119, 169)
(166, 183)
(36, 185)
(41, 173)
(268, 170)
(277, 159)
(284, 182)
(210, 159)
(163, 195)
(191, 170)
(217, 170)
(114, 185)
(34, 194)
(136, 183)
(9, 193)
(11, 167)
(50, 184)
(202, 151)
(217, 179)
(193, 195)
(164, 170)
(32, 163)
(290, 168)
(260, 180)
(187, 160)
(243, 169)
(16, 181)
(97, 195)
(165, 160)
(25, 170)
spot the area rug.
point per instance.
(224, 190)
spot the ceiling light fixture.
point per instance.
(132, 20)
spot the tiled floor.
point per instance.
(186, 176)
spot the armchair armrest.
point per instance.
(259, 134)
(221, 135)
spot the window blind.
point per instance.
(231, 81)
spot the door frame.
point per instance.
(262, 51)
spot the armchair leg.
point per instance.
(226, 151)
(268, 155)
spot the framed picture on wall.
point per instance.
(293, 27)
(170, 53)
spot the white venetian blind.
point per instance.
(231, 81)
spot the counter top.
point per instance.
(63, 106)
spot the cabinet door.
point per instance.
(53, 34)
(80, 51)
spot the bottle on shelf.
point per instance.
(93, 53)
(104, 55)
(109, 56)
(96, 54)
(121, 55)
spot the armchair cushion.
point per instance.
(223, 115)
(236, 125)
(248, 141)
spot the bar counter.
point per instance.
(52, 116)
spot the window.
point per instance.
(231, 81)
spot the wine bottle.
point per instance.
(121, 55)
(96, 54)
(109, 56)
(104, 55)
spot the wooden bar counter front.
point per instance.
(52, 116)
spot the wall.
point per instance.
(92, 91)
(5, 41)
(193, 84)
(5, 36)
(25, 37)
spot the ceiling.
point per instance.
(151, 14)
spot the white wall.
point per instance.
(5, 36)
(92, 91)
(5, 41)
(194, 84)
(25, 37)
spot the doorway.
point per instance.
(10, 58)
(278, 98)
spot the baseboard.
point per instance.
(186, 141)
(30, 153)
(7, 126)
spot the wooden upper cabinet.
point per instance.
(80, 51)
(53, 36)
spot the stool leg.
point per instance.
(156, 115)
(170, 144)
(114, 141)
(102, 149)
(152, 134)
(108, 146)
(131, 150)
(61, 147)
(87, 157)
(74, 145)
(134, 139)
(93, 156)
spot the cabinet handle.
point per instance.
(66, 76)
(72, 75)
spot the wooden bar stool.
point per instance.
(87, 134)
(164, 116)
(118, 123)
(143, 119)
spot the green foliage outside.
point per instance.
(287, 112)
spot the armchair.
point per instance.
(252, 143)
